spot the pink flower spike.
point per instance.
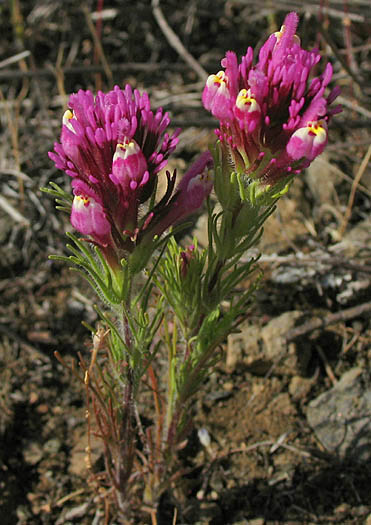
(278, 109)
(112, 145)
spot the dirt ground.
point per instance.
(265, 463)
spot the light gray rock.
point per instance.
(356, 239)
(341, 417)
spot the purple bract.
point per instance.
(194, 187)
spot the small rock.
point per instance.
(204, 437)
(52, 446)
(343, 508)
(356, 239)
(258, 349)
(287, 275)
(43, 408)
(321, 182)
(290, 358)
(23, 513)
(216, 482)
(299, 387)
(242, 346)
(33, 453)
(361, 510)
(341, 420)
(217, 395)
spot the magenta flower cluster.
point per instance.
(273, 118)
(113, 146)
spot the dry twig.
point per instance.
(175, 42)
(98, 45)
(352, 195)
(327, 366)
(15, 58)
(313, 324)
(13, 212)
(10, 74)
(329, 41)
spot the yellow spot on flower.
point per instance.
(219, 79)
(67, 117)
(246, 101)
(319, 129)
(82, 200)
(123, 150)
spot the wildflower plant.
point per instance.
(162, 298)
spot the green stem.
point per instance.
(125, 448)
(171, 388)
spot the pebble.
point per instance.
(258, 349)
(300, 387)
(33, 453)
(52, 446)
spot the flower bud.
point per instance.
(129, 166)
(216, 97)
(247, 110)
(186, 256)
(308, 142)
(88, 217)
